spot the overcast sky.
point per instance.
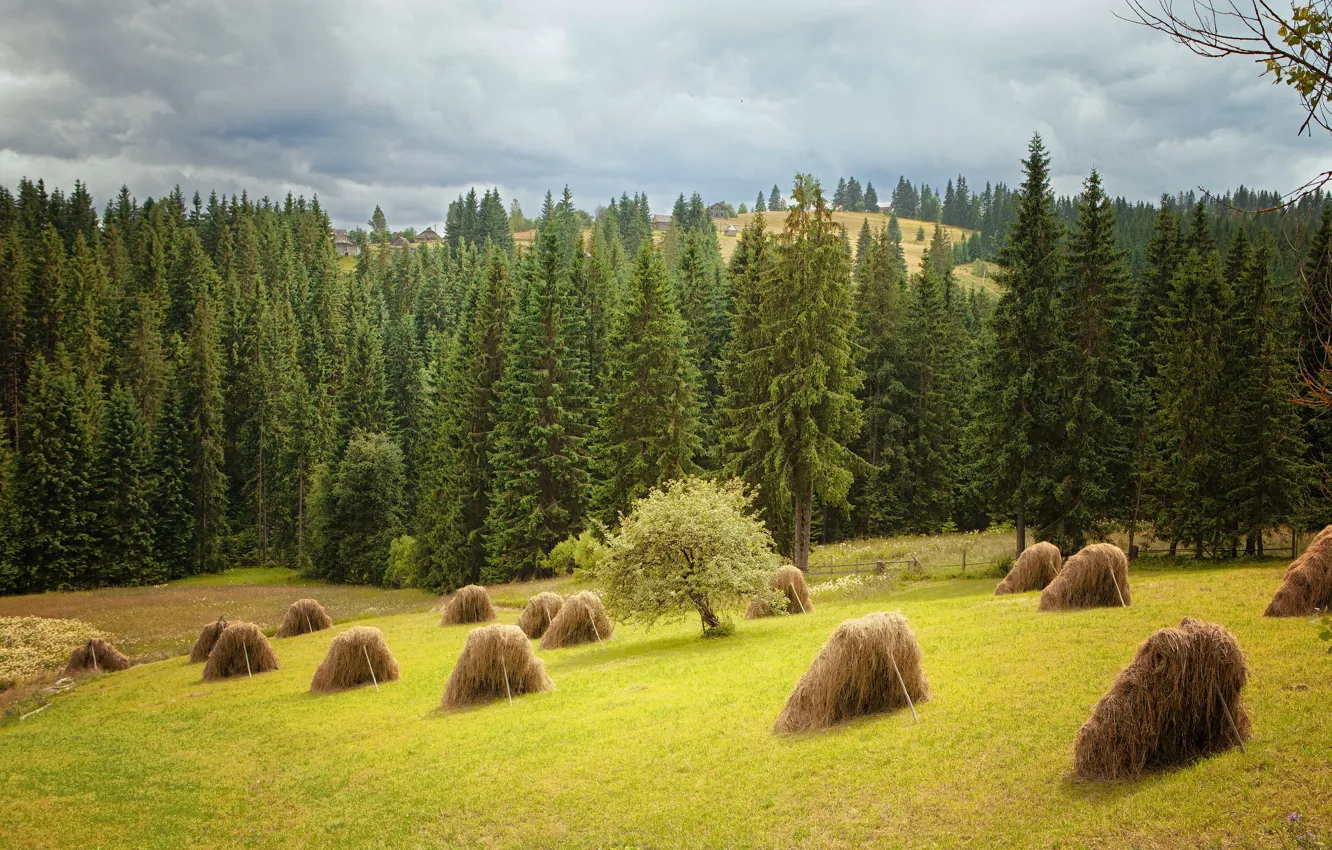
(404, 104)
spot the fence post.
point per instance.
(1294, 538)
(878, 568)
(964, 560)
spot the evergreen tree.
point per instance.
(1021, 369)
(811, 411)
(759, 204)
(360, 512)
(648, 409)
(13, 334)
(121, 496)
(172, 499)
(538, 444)
(776, 201)
(1094, 390)
(871, 198)
(203, 404)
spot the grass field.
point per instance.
(660, 739)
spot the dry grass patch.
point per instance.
(304, 616)
(471, 604)
(1035, 568)
(208, 636)
(241, 650)
(790, 582)
(96, 656)
(1307, 584)
(1096, 577)
(582, 619)
(539, 612)
(33, 645)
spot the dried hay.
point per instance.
(496, 662)
(790, 581)
(1178, 701)
(1035, 568)
(1307, 584)
(241, 650)
(358, 656)
(95, 656)
(304, 616)
(582, 619)
(539, 612)
(1095, 577)
(471, 604)
(204, 643)
(862, 669)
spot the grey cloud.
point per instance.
(405, 104)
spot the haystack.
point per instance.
(204, 643)
(471, 604)
(1095, 577)
(1178, 701)
(540, 611)
(304, 616)
(496, 662)
(863, 669)
(96, 656)
(358, 656)
(241, 650)
(1035, 568)
(582, 619)
(1308, 581)
(790, 581)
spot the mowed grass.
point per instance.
(167, 618)
(660, 739)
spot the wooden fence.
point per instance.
(909, 564)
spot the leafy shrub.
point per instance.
(582, 553)
(403, 563)
(1325, 630)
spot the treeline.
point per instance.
(191, 386)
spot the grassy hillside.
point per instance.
(659, 739)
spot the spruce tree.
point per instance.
(13, 334)
(361, 512)
(1314, 328)
(172, 499)
(1095, 384)
(776, 200)
(811, 411)
(1021, 367)
(538, 444)
(759, 204)
(648, 411)
(121, 496)
(203, 404)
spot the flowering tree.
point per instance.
(690, 545)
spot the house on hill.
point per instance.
(347, 248)
(401, 242)
(340, 234)
(717, 210)
(730, 230)
(429, 235)
(661, 222)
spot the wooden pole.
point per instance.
(505, 667)
(910, 704)
(592, 618)
(373, 678)
(1117, 590)
(92, 648)
(1231, 720)
(309, 628)
(246, 649)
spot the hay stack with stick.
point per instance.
(96, 656)
(471, 604)
(358, 656)
(539, 613)
(1095, 577)
(1035, 568)
(1308, 581)
(1178, 701)
(241, 650)
(204, 643)
(869, 665)
(582, 619)
(789, 581)
(497, 662)
(304, 616)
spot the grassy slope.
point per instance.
(663, 740)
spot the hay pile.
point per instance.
(304, 616)
(1308, 581)
(582, 619)
(790, 581)
(204, 643)
(1095, 577)
(358, 656)
(95, 656)
(471, 604)
(1036, 567)
(241, 650)
(857, 672)
(540, 611)
(1169, 706)
(496, 662)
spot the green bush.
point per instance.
(403, 563)
(583, 553)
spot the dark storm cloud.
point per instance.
(405, 104)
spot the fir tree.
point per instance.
(121, 496)
(759, 204)
(776, 201)
(172, 500)
(203, 404)
(360, 512)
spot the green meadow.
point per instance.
(661, 739)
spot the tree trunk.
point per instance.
(803, 508)
(1259, 546)
(1249, 545)
(1021, 532)
(705, 613)
(1174, 547)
